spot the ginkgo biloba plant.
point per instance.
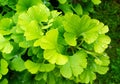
(42, 45)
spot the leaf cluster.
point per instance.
(53, 47)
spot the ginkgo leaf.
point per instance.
(5, 45)
(39, 12)
(87, 76)
(104, 30)
(75, 65)
(76, 25)
(32, 31)
(23, 5)
(90, 37)
(49, 41)
(54, 57)
(46, 67)
(70, 38)
(5, 29)
(78, 9)
(62, 1)
(17, 64)
(3, 67)
(32, 67)
(96, 1)
(102, 43)
(102, 60)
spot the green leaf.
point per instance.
(71, 23)
(76, 25)
(102, 60)
(23, 5)
(78, 9)
(62, 1)
(17, 64)
(5, 29)
(101, 69)
(54, 57)
(46, 67)
(70, 38)
(49, 41)
(75, 65)
(39, 12)
(26, 44)
(101, 43)
(66, 71)
(96, 2)
(4, 81)
(32, 31)
(87, 76)
(18, 37)
(32, 67)
(104, 30)
(3, 2)
(5, 45)
(3, 67)
(90, 37)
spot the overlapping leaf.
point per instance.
(49, 41)
(35, 67)
(75, 66)
(5, 29)
(54, 57)
(3, 67)
(17, 64)
(5, 45)
(23, 5)
(39, 12)
(101, 43)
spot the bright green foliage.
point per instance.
(62, 1)
(35, 67)
(3, 67)
(39, 13)
(5, 29)
(75, 65)
(49, 41)
(78, 9)
(96, 1)
(102, 43)
(87, 76)
(54, 57)
(32, 67)
(32, 31)
(17, 64)
(4, 81)
(23, 5)
(5, 45)
(43, 45)
(70, 38)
